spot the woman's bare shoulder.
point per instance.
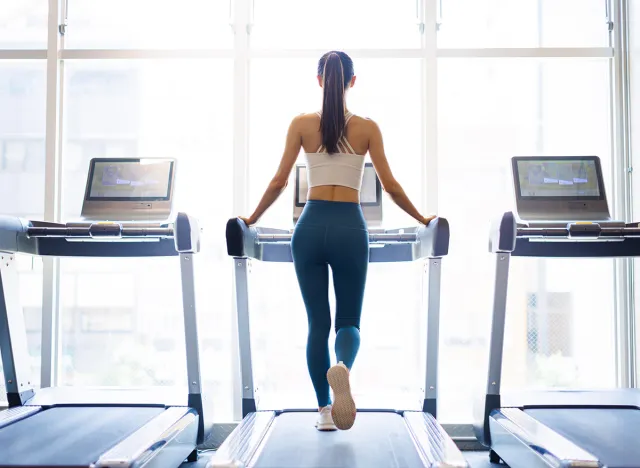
(309, 116)
(306, 119)
(365, 123)
(361, 120)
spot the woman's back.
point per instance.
(357, 135)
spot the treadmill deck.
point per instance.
(609, 434)
(69, 436)
(376, 440)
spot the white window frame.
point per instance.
(622, 163)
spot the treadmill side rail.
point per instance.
(436, 448)
(13, 415)
(166, 440)
(241, 276)
(197, 398)
(434, 276)
(14, 352)
(521, 440)
(239, 449)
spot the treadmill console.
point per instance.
(370, 195)
(560, 189)
(129, 189)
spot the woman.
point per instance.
(332, 230)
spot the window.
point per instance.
(634, 106)
(124, 98)
(295, 24)
(554, 346)
(389, 94)
(23, 24)
(123, 317)
(270, 116)
(549, 318)
(149, 24)
(490, 110)
(22, 130)
(525, 23)
(22, 127)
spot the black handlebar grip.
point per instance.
(235, 232)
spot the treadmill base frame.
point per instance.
(520, 440)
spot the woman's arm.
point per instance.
(280, 180)
(387, 180)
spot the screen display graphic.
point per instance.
(573, 178)
(131, 180)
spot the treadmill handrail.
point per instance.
(577, 240)
(18, 235)
(247, 241)
(113, 231)
(373, 237)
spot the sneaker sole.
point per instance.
(326, 427)
(343, 410)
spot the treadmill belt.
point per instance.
(69, 436)
(609, 434)
(376, 440)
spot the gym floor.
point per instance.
(475, 459)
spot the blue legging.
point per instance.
(331, 234)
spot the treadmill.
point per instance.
(126, 213)
(381, 437)
(562, 212)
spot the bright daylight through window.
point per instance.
(457, 87)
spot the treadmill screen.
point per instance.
(576, 178)
(370, 195)
(134, 180)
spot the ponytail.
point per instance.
(336, 69)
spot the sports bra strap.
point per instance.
(348, 116)
(343, 147)
(346, 146)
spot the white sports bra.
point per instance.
(344, 168)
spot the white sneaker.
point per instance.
(343, 410)
(325, 421)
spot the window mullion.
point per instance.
(241, 23)
(624, 319)
(430, 18)
(51, 266)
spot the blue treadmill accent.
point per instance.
(609, 434)
(376, 440)
(69, 436)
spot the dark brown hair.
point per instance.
(336, 70)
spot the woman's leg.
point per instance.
(313, 277)
(349, 260)
(347, 344)
(349, 264)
